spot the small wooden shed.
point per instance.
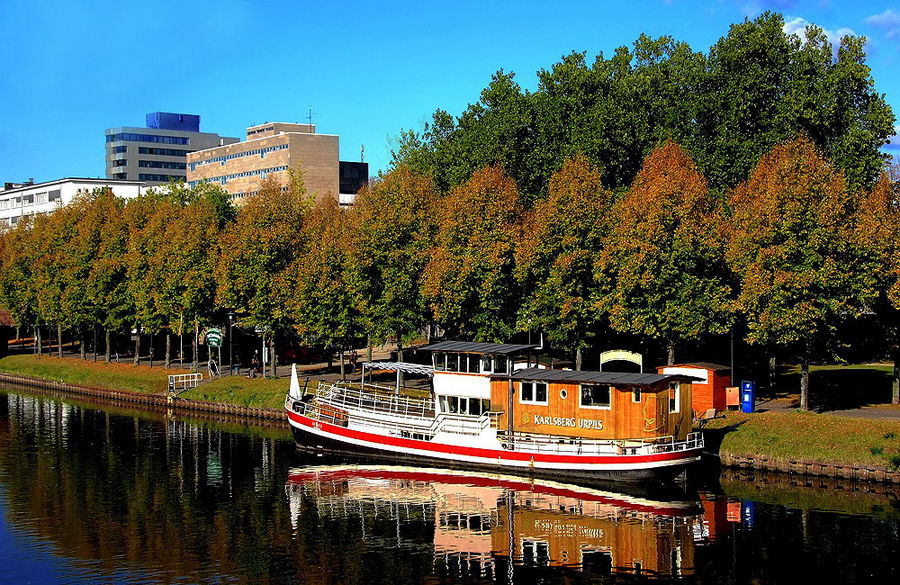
(709, 385)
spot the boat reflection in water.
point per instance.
(479, 522)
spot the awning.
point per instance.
(405, 367)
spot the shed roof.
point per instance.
(473, 347)
(581, 376)
(701, 365)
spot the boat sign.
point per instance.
(214, 337)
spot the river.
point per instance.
(94, 494)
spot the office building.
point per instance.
(272, 149)
(157, 153)
(23, 199)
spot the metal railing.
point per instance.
(342, 396)
(180, 382)
(534, 443)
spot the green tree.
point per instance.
(469, 281)
(664, 273)
(390, 232)
(555, 257)
(791, 247)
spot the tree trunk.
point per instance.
(137, 347)
(343, 371)
(400, 375)
(168, 360)
(106, 349)
(151, 349)
(772, 373)
(272, 356)
(37, 340)
(59, 351)
(578, 359)
(83, 344)
(196, 344)
(670, 345)
(95, 343)
(804, 382)
(895, 398)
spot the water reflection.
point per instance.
(474, 524)
(91, 494)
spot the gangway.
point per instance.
(181, 382)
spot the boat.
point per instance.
(486, 406)
(484, 522)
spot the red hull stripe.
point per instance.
(375, 440)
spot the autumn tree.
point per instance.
(877, 233)
(323, 305)
(555, 256)
(256, 269)
(17, 254)
(663, 272)
(390, 232)
(469, 281)
(790, 245)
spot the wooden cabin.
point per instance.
(709, 386)
(595, 405)
(473, 378)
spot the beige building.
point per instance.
(270, 149)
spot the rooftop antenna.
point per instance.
(309, 116)
(362, 153)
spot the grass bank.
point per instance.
(806, 436)
(237, 390)
(88, 373)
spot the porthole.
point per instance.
(563, 393)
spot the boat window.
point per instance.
(674, 396)
(636, 395)
(454, 404)
(535, 552)
(440, 362)
(452, 362)
(596, 562)
(533, 392)
(474, 364)
(500, 364)
(596, 396)
(445, 404)
(486, 364)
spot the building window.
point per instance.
(533, 393)
(120, 149)
(160, 151)
(54, 196)
(596, 396)
(674, 396)
(120, 162)
(162, 164)
(28, 199)
(41, 197)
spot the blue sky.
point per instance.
(69, 69)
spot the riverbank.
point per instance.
(807, 443)
(237, 391)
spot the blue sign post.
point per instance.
(748, 396)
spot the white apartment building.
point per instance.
(30, 199)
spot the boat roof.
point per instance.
(473, 347)
(580, 376)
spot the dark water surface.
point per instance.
(90, 494)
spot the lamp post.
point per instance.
(230, 363)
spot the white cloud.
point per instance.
(797, 26)
(888, 21)
(894, 143)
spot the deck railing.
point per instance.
(575, 446)
(343, 396)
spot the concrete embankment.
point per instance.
(154, 401)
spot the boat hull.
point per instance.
(314, 434)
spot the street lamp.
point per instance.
(230, 364)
